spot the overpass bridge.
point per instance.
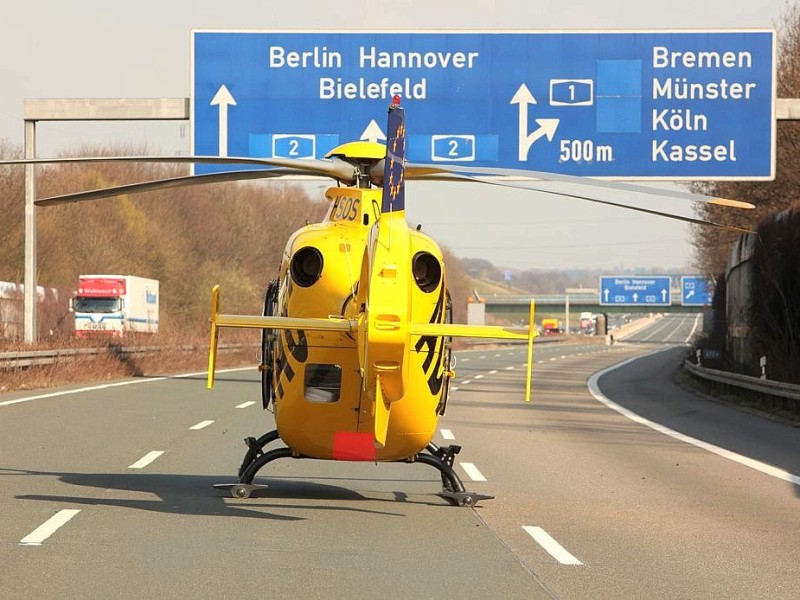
(567, 307)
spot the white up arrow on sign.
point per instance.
(223, 99)
(373, 132)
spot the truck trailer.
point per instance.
(115, 306)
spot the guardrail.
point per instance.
(754, 384)
(36, 358)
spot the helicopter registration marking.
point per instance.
(346, 208)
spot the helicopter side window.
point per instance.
(323, 383)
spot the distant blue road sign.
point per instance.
(636, 290)
(696, 291)
(651, 104)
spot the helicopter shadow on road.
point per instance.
(194, 495)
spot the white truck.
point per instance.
(115, 306)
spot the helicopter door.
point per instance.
(268, 339)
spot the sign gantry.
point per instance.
(631, 105)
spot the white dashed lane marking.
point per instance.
(146, 459)
(49, 527)
(201, 425)
(447, 434)
(246, 404)
(553, 548)
(472, 471)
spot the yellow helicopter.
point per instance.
(357, 329)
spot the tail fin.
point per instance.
(394, 178)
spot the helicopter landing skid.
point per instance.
(441, 458)
(240, 490)
(256, 449)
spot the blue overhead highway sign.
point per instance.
(636, 290)
(696, 291)
(650, 104)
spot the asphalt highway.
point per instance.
(614, 482)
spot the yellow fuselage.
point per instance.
(325, 393)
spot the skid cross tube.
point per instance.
(441, 458)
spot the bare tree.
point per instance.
(713, 245)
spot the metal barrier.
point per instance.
(754, 384)
(36, 358)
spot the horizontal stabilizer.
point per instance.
(474, 331)
(259, 322)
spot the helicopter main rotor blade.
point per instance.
(163, 184)
(430, 172)
(333, 167)
(530, 185)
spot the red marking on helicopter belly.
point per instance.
(348, 445)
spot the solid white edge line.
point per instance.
(117, 384)
(765, 468)
(146, 459)
(49, 527)
(553, 548)
(694, 328)
(472, 471)
(201, 425)
(447, 434)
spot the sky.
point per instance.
(101, 49)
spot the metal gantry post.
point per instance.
(29, 301)
(76, 109)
